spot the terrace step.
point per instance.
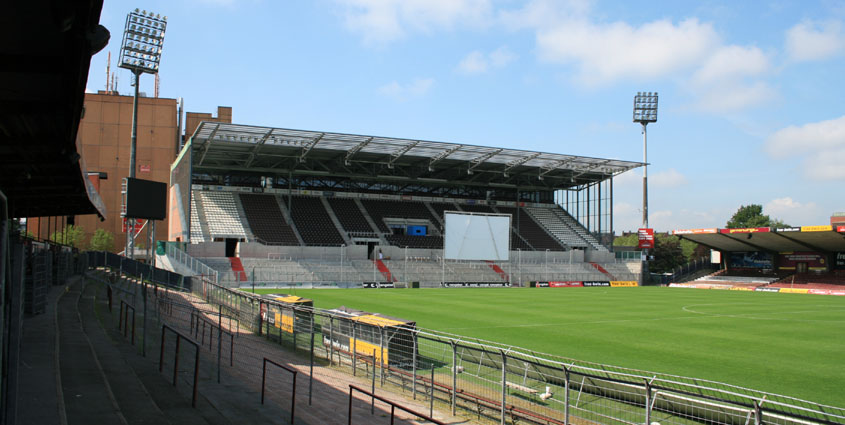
(145, 395)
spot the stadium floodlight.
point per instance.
(140, 53)
(645, 111)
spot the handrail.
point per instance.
(179, 337)
(195, 326)
(393, 406)
(123, 320)
(293, 392)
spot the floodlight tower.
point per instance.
(140, 52)
(645, 111)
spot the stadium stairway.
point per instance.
(603, 270)
(497, 269)
(238, 268)
(384, 271)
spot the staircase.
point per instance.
(498, 270)
(603, 270)
(238, 268)
(384, 271)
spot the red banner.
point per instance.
(646, 238)
(570, 284)
(840, 229)
(746, 230)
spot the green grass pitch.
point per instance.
(789, 344)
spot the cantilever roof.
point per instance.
(235, 147)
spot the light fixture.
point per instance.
(645, 111)
(140, 53)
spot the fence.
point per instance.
(478, 378)
(504, 383)
(196, 266)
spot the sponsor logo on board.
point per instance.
(567, 284)
(375, 285)
(827, 228)
(596, 283)
(476, 284)
(767, 289)
(695, 231)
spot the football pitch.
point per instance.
(790, 344)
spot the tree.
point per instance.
(626, 240)
(668, 254)
(70, 235)
(752, 216)
(102, 240)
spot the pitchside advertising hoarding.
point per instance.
(645, 238)
(586, 284)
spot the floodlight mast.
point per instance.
(645, 111)
(140, 52)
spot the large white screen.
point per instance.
(473, 236)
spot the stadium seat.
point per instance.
(266, 219)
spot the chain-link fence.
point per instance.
(503, 383)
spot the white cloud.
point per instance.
(545, 13)
(416, 88)
(604, 53)
(809, 40)
(473, 63)
(477, 62)
(730, 62)
(720, 77)
(821, 144)
(732, 96)
(383, 21)
(501, 57)
(793, 212)
(670, 178)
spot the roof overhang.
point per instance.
(825, 238)
(252, 149)
(45, 56)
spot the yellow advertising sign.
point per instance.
(827, 228)
(794, 290)
(284, 322)
(741, 288)
(622, 283)
(367, 349)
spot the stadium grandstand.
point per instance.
(282, 206)
(806, 260)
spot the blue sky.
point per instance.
(751, 93)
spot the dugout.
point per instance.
(390, 338)
(290, 313)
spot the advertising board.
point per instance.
(645, 238)
(567, 284)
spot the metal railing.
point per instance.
(499, 381)
(496, 381)
(393, 407)
(293, 385)
(123, 321)
(179, 338)
(197, 267)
